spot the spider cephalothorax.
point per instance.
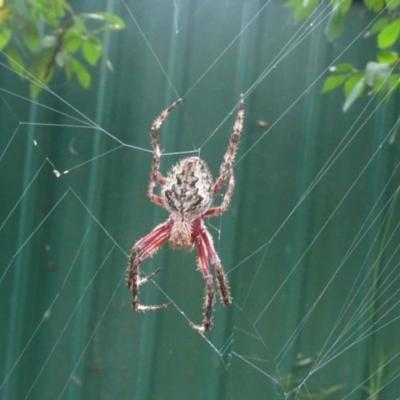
(187, 193)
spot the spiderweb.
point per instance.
(310, 242)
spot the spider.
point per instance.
(187, 192)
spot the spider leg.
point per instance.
(225, 202)
(156, 176)
(226, 166)
(209, 292)
(143, 249)
(216, 262)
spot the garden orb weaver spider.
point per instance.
(187, 193)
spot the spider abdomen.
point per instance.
(188, 187)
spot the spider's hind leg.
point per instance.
(143, 249)
(223, 284)
(204, 268)
(134, 281)
(208, 307)
(144, 279)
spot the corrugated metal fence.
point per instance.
(309, 242)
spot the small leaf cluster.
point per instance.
(39, 36)
(339, 8)
(379, 76)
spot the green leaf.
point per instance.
(42, 69)
(79, 26)
(388, 57)
(15, 59)
(332, 82)
(34, 89)
(41, 66)
(335, 24)
(302, 8)
(378, 25)
(72, 41)
(51, 11)
(395, 81)
(354, 88)
(375, 72)
(389, 35)
(5, 36)
(351, 82)
(31, 36)
(392, 4)
(375, 5)
(114, 20)
(83, 76)
(344, 5)
(342, 68)
(74, 67)
(92, 49)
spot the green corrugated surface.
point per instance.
(65, 243)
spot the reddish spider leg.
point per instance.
(143, 249)
(148, 245)
(204, 240)
(209, 292)
(208, 254)
(216, 262)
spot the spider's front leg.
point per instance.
(156, 177)
(229, 158)
(226, 169)
(143, 249)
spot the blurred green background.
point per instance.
(309, 243)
